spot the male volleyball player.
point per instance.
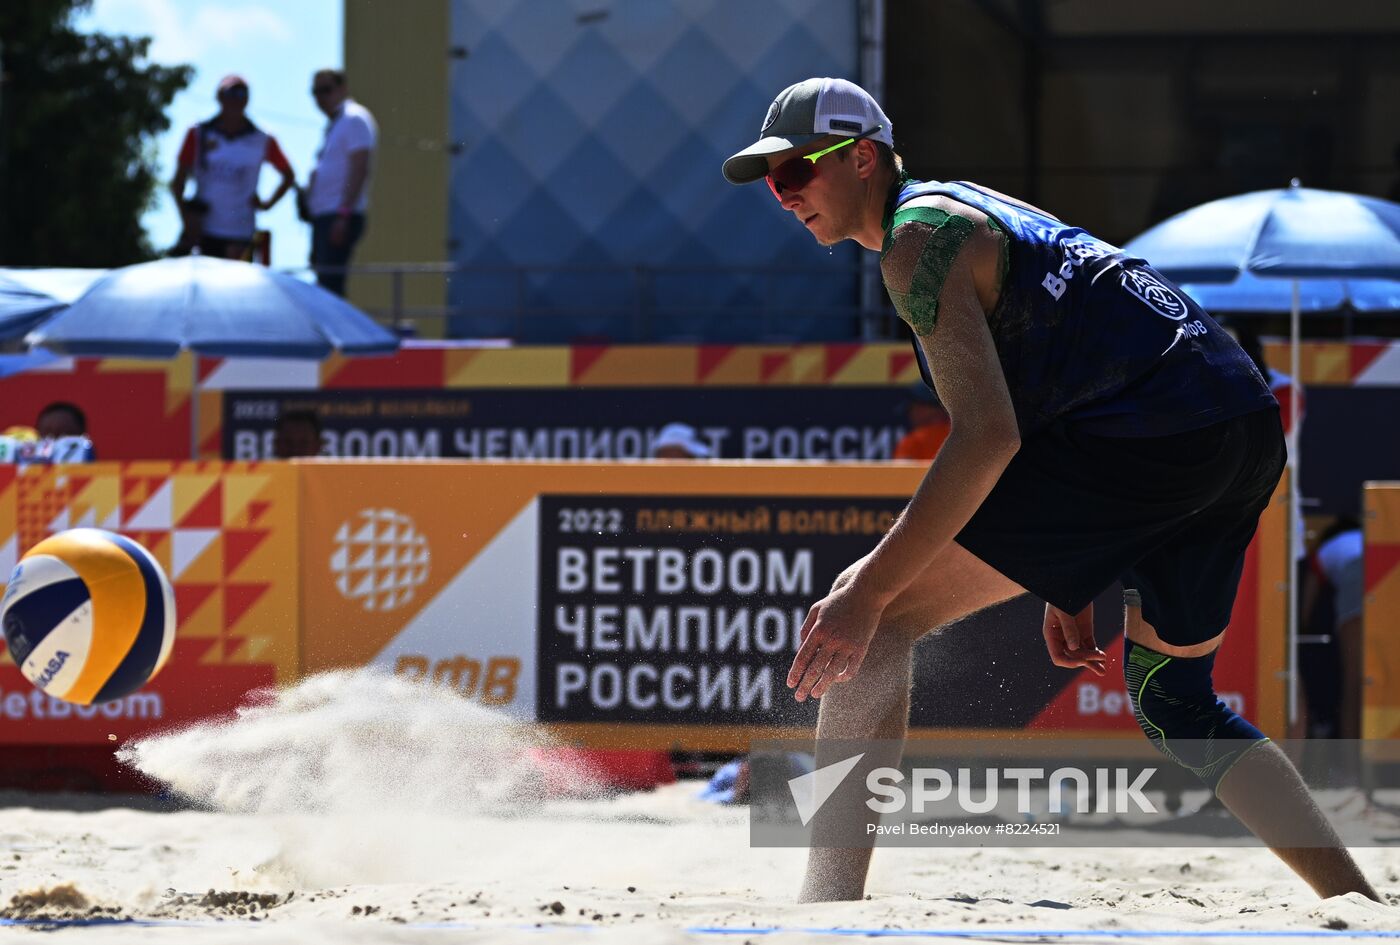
(1103, 426)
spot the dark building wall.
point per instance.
(1116, 115)
(953, 89)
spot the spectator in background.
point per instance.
(297, 434)
(60, 419)
(680, 441)
(338, 195)
(1339, 563)
(225, 156)
(62, 430)
(928, 425)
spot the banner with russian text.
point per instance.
(659, 605)
(837, 423)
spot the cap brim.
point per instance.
(750, 165)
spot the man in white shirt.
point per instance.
(338, 196)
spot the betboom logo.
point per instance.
(380, 559)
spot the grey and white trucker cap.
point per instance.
(806, 112)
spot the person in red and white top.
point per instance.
(225, 156)
(338, 197)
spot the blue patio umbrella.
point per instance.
(22, 308)
(1292, 234)
(1295, 232)
(65, 284)
(214, 307)
(1251, 293)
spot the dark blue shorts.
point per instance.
(1171, 516)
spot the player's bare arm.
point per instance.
(931, 266)
(1069, 638)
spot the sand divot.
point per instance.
(62, 902)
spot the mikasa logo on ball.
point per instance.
(380, 559)
(51, 670)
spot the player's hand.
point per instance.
(835, 636)
(1070, 639)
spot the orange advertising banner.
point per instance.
(432, 570)
(646, 605)
(1380, 694)
(659, 605)
(226, 535)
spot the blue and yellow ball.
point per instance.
(89, 616)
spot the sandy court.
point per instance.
(688, 863)
(492, 859)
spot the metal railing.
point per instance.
(621, 303)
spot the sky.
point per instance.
(276, 45)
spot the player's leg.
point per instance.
(874, 706)
(1066, 513)
(1184, 592)
(1175, 702)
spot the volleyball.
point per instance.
(89, 616)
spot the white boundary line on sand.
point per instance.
(980, 933)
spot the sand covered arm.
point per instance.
(952, 330)
(929, 270)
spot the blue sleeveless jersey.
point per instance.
(1089, 334)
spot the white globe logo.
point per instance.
(380, 559)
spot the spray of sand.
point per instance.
(364, 777)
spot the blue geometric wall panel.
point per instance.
(587, 188)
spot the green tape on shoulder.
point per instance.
(933, 216)
(944, 236)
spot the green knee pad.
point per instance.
(1174, 701)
